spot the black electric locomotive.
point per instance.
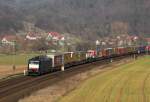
(39, 65)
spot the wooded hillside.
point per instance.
(88, 18)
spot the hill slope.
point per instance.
(88, 18)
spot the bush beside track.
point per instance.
(127, 83)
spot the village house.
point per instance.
(32, 37)
(9, 39)
(126, 40)
(148, 41)
(55, 38)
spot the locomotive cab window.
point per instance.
(34, 64)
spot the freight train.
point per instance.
(43, 64)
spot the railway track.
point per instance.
(13, 89)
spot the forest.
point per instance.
(86, 18)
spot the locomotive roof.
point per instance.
(41, 57)
(51, 55)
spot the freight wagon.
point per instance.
(148, 49)
(111, 52)
(142, 49)
(91, 55)
(57, 60)
(73, 58)
(120, 50)
(68, 59)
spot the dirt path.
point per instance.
(7, 70)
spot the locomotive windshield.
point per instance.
(33, 64)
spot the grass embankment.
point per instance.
(19, 59)
(127, 83)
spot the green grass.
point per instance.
(127, 83)
(20, 59)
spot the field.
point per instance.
(19, 59)
(126, 83)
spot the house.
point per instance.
(32, 36)
(134, 38)
(55, 36)
(9, 39)
(148, 41)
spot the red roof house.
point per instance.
(55, 36)
(9, 39)
(32, 36)
(148, 40)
